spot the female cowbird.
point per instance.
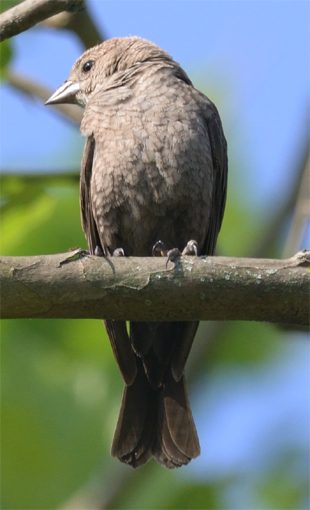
(153, 176)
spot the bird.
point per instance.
(153, 179)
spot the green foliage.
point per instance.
(5, 57)
(33, 208)
(282, 488)
(252, 344)
(8, 4)
(53, 402)
(196, 496)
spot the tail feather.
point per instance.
(186, 335)
(179, 416)
(164, 449)
(122, 349)
(155, 423)
(136, 425)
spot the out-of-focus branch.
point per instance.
(266, 243)
(48, 178)
(30, 12)
(81, 23)
(34, 90)
(301, 213)
(95, 495)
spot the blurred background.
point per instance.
(248, 382)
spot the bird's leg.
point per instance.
(190, 249)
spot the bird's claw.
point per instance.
(191, 248)
(159, 246)
(173, 255)
(118, 252)
(98, 252)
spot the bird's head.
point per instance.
(107, 66)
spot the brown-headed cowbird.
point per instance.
(154, 169)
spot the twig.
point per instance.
(81, 23)
(267, 245)
(30, 12)
(34, 90)
(301, 213)
(34, 179)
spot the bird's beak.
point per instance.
(66, 93)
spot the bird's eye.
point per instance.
(87, 66)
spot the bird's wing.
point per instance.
(88, 221)
(116, 329)
(220, 164)
(219, 159)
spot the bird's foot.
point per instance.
(98, 252)
(161, 247)
(172, 255)
(118, 252)
(190, 249)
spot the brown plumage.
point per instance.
(154, 168)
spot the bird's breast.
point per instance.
(152, 178)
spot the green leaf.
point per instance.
(5, 57)
(8, 4)
(195, 496)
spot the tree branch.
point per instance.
(30, 12)
(34, 90)
(80, 23)
(301, 213)
(72, 285)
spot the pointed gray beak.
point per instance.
(65, 93)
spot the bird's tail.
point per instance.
(155, 423)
